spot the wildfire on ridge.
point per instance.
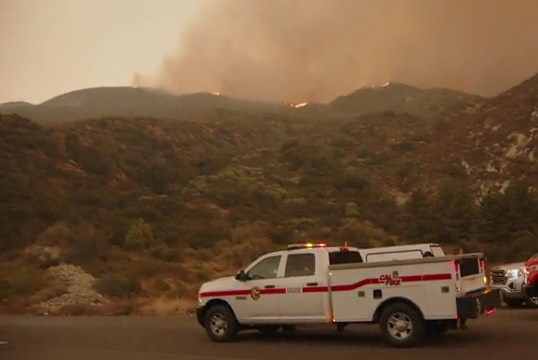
(295, 105)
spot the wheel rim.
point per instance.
(400, 325)
(534, 300)
(218, 324)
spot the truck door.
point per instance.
(305, 282)
(470, 273)
(261, 304)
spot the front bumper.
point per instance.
(472, 305)
(531, 291)
(512, 293)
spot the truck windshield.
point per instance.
(344, 257)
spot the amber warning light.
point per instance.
(306, 246)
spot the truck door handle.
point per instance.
(312, 284)
(269, 286)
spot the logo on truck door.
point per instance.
(389, 280)
(255, 293)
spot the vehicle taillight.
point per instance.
(456, 267)
(481, 265)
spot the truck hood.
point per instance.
(515, 265)
(225, 283)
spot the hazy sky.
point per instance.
(48, 47)
(289, 50)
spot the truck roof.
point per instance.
(392, 248)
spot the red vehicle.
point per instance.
(531, 283)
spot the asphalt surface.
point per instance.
(507, 334)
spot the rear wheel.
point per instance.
(402, 325)
(220, 323)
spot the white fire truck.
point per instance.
(411, 291)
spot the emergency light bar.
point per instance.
(306, 246)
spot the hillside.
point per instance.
(497, 139)
(152, 207)
(13, 106)
(401, 98)
(94, 103)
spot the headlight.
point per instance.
(514, 273)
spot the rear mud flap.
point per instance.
(472, 305)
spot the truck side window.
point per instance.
(300, 265)
(344, 257)
(265, 269)
(396, 255)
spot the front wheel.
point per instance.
(220, 323)
(532, 302)
(402, 325)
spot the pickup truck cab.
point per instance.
(408, 290)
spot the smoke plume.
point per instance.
(315, 50)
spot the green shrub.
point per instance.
(118, 285)
(139, 235)
(15, 282)
(165, 253)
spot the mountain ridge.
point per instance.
(400, 98)
(149, 102)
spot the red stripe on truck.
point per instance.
(225, 293)
(345, 287)
(434, 277)
(273, 291)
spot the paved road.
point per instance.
(508, 334)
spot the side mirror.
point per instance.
(241, 276)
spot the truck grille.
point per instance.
(498, 277)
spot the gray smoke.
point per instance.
(315, 50)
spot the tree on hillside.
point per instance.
(419, 217)
(139, 236)
(455, 214)
(503, 214)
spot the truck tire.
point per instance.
(402, 325)
(220, 324)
